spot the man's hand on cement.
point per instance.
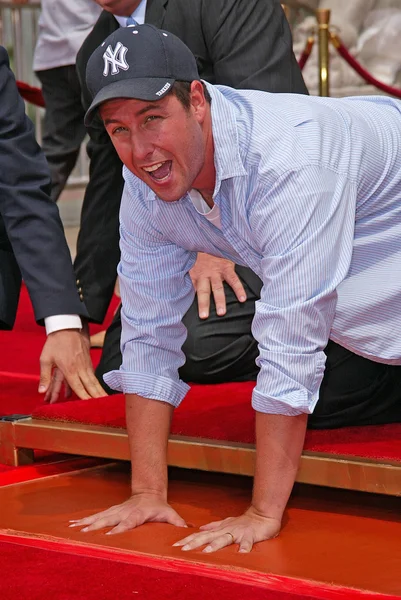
(208, 275)
(139, 509)
(246, 530)
(66, 359)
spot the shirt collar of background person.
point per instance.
(138, 15)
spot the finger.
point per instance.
(197, 540)
(245, 545)
(109, 521)
(175, 519)
(203, 296)
(91, 384)
(236, 284)
(45, 376)
(48, 394)
(76, 385)
(89, 520)
(219, 297)
(56, 386)
(67, 390)
(85, 522)
(126, 525)
(221, 542)
(186, 540)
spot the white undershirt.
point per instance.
(211, 214)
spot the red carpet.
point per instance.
(19, 374)
(100, 579)
(223, 412)
(220, 412)
(67, 571)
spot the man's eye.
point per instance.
(118, 130)
(151, 118)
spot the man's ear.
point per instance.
(198, 101)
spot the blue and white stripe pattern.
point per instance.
(309, 191)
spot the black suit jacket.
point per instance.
(239, 43)
(32, 239)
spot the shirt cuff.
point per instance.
(294, 404)
(59, 322)
(147, 385)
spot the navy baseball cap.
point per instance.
(140, 62)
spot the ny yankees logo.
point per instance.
(116, 59)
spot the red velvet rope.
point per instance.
(342, 50)
(306, 52)
(31, 94)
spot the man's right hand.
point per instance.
(141, 508)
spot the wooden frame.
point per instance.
(18, 439)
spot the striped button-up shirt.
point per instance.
(309, 192)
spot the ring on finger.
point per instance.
(232, 537)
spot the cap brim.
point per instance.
(141, 89)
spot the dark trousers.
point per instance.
(63, 125)
(354, 391)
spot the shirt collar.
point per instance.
(227, 156)
(138, 15)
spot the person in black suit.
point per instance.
(239, 43)
(32, 243)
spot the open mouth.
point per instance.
(160, 171)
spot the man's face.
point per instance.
(161, 142)
(121, 8)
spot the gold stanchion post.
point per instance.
(323, 19)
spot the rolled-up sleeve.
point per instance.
(156, 291)
(306, 254)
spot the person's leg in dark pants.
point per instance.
(110, 359)
(222, 349)
(356, 391)
(217, 349)
(63, 126)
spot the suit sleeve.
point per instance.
(30, 217)
(98, 252)
(250, 45)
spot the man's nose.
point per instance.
(142, 148)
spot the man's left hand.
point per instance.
(246, 530)
(66, 359)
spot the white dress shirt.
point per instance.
(63, 27)
(309, 192)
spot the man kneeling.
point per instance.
(304, 191)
